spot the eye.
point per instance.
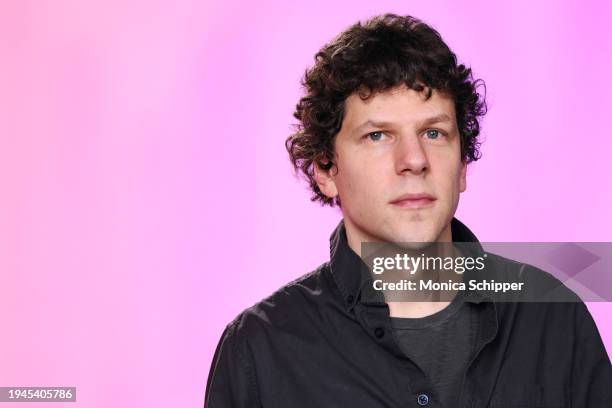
(375, 136)
(433, 134)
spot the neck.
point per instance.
(400, 309)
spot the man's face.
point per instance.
(391, 146)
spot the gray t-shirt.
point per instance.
(441, 345)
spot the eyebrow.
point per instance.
(442, 117)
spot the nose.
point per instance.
(410, 155)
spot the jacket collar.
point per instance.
(352, 276)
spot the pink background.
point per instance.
(147, 197)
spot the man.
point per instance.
(387, 127)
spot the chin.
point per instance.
(417, 232)
(416, 240)
(414, 246)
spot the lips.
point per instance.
(415, 200)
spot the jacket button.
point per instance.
(423, 399)
(379, 332)
(349, 299)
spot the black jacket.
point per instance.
(318, 342)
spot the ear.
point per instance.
(325, 180)
(462, 177)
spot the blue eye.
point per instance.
(375, 136)
(432, 134)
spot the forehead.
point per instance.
(400, 105)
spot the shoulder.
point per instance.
(288, 305)
(539, 285)
(546, 307)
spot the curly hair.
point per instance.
(384, 52)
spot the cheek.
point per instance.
(447, 173)
(457, 182)
(361, 182)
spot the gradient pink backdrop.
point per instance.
(147, 198)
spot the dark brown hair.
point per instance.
(384, 52)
